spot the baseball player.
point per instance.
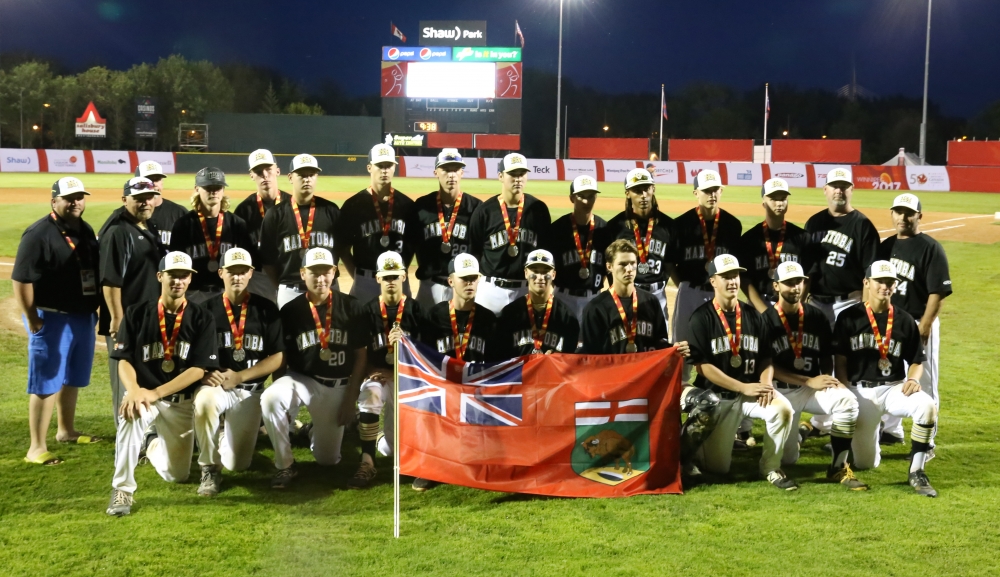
(130, 256)
(207, 232)
(165, 211)
(573, 241)
(539, 323)
(462, 328)
(164, 347)
(292, 228)
(250, 343)
(875, 341)
(264, 173)
(391, 315)
(325, 338)
(729, 348)
(924, 282)
(55, 286)
(438, 228)
(801, 344)
(374, 220)
(650, 230)
(770, 243)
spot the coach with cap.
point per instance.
(55, 286)
(165, 211)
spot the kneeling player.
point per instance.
(248, 331)
(539, 323)
(802, 347)
(875, 340)
(163, 349)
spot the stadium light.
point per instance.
(46, 105)
(785, 133)
(34, 127)
(183, 111)
(927, 69)
(824, 136)
(605, 128)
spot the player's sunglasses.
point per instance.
(142, 186)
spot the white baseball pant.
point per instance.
(431, 293)
(716, 452)
(170, 452)
(873, 402)
(288, 292)
(839, 403)
(496, 298)
(376, 396)
(233, 444)
(576, 304)
(823, 423)
(281, 402)
(928, 380)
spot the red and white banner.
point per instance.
(117, 161)
(691, 170)
(543, 169)
(928, 178)
(880, 177)
(67, 160)
(666, 172)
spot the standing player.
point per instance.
(374, 220)
(164, 348)
(292, 228)
(538, 323)
(801, 343)
(769, 244)
(876, 340)
(325, 338)
(924, 282)
(264, 173)
(55, 286)
(438, 228)
(462, 328)
(130, 257)
(573, 241)
(503, 229)
(165, 211)
(250, 343)
(729, 347)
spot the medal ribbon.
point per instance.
(461, 340)
(640, 244)
(211, 244)
(260, 204)
(538, 336)
(168, 345)
(512, 233)
(709, 243)
(385, 317)
(734, 341)
(446, 231)
(237, 330)
(304, 234)
(795, 343)
(774, 256)
(323, 331)
(384, 223)
(883, 343)
(69, 241)
(583, 253)
(631, 329)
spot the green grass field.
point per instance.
(52, 520)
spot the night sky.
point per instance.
(612, 45)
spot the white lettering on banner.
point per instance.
(18, 160)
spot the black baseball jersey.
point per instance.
(841, 249)
(488, 236)
(689, 245)
(59, 274)
(514, 330)
(423, 234)
(752, 254)
(923, 269)
(262, 334)
(817, 340)
(140, 343)
(854, 338)
(280, 245)
(710, 345)
(130, 257)
(411, 323)
(482, 337)
(660, 245)
(558, 240)
(163, 218)
(359, 233)
(349, 331)
(249, 211)
(604, 333)
(189, 237)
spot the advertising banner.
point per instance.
(492, 54)
(419, 166)
(617, 170)
(66, 161)
(542, 169)
(575, 168)
(620, 148)
(821, 171)
(393, 79)
(492, 166)
(691, 169)
(710, 149)
(795, 173)
(111, 161)
(744, 174)
(509, 80)
(453, 33)
(666, 172)
(415, 54)
(471, 169)
(818, 150)
(90, 124)
(973, 153)
(18, 160)
(166, 160)
(928, 178)
(880, 177)
(406, 140)
(145, 117)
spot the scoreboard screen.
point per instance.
(451, 80)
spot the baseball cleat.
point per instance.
(283, 478)
(211, 481)
(807, 430)
(120, 503)
(421, 485)
(845, 476)
(362, 477)
(887, 439)
(920, 484)
(779, 479)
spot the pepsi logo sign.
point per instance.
(394, 53)
(425, 53)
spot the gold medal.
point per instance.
(325, 354)
(384, 241)
(584, 273)
(735, 361)
(799, 364)
(884, 364)
(512, 250)
(167, 366)
(446, 247)
(239, 355)
(631, 348)
(390, 358)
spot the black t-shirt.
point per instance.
(660, 245)
(817, 340)
(360, 231)
(604, 333)
(163, 218)
(841, 249)
(710, 345)
(130, 257)
(921, 262)
(423, 233)
(349, 331)
(280, 245)
(45, 260)
(558, 240)
(140, 343)
(752, 254)
(482, 337)
(488, 236)
(853, 338)
(189, 237)
(249, 211)
(262, 335)
(514, 330)
(689, 246)
(411, 323)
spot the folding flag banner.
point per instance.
(397, 32)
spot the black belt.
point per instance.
(873, 384)
(341, 382)
(829, 300)
(726, 393)
(651, 287)
(576, 292)
(784, 385)
(249, 387)
(178, 397)
(506, 283)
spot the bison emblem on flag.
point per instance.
(612, 440)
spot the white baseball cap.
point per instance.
(67, 185)
(464, 265)
(907, 200)
(707, 179)
(513, 161)
(449, 156)
(139, 185)
(723, 264)
(389, 263)
(840, 174)
(637, 177)
(259, 157)
(304, 161)
(540, 256)
(774, 185)
(789, 270)
(149, 168)
(382, 153)
(882, 269)
(317, 257)
(583, 182)
(176, 261)
(236, 257)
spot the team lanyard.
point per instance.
(446, 231)
(385, 318)
(538, 336)
(709, 243)
(260, 204)
(69, 241)
(882, 343)
(461, 340)
(515, 231)
(642, 245)
(631, 329)
(794, 341)
(734, 340)
(323, 331)
(236, 329)
(304, 234)
(169, 344)
(584, 253)
(774, 255)
(212, 244)
(384, 223)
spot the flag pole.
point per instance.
(766, 110)
(663, 99)
(395, 441)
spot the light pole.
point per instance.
(927, 69)
(559, 79)
(21, 125)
